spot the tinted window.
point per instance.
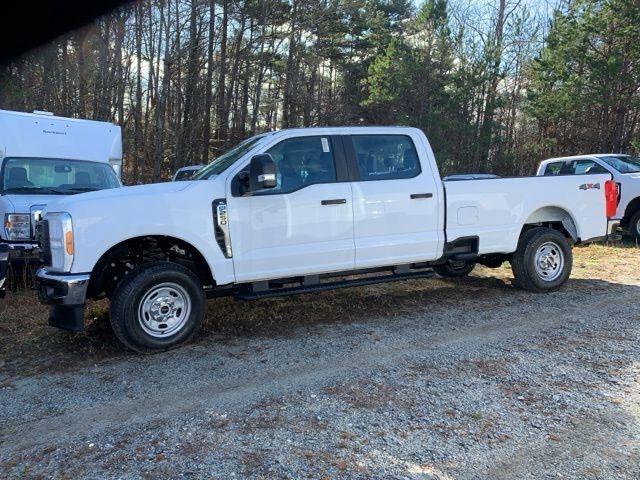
(385, 157)
(553, 168)
(302, 161)
(582, 167)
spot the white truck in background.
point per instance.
(43, 157)
(299, 211)
(625, 170)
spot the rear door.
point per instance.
(395, 200)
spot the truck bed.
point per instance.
(495, 209)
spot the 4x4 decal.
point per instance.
(589, 186)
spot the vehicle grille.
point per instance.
(42, 237)
(35, 216)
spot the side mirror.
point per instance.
(262, 172)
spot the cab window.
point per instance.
(554, 168)
(583, 167)
(385, 157)
(302, 161)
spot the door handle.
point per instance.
(335, 201)
(415, 196)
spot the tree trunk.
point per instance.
(208, 96)
(221, 113)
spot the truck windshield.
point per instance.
(55, 176)
(227, 159)
(623, 163)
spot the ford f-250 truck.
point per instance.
(299, 211)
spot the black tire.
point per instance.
(126, 306)
(523, 261)
(634, 226)
(454, 269)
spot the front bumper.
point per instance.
(66, 293)
(62, 288)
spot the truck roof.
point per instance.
(578, 157)
(50, 116)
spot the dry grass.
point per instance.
(28, 345)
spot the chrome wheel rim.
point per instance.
(164, 310)
(549, 261)
(638, 227)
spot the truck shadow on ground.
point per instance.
(29, 346)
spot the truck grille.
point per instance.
(36, 215)
(42, 237)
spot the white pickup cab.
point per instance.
(43, 157)
(300, 211)
(625, 170)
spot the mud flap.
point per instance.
(67, 317)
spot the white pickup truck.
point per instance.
(299, 211)
(625, 170)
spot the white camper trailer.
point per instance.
(42, 157)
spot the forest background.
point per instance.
(497, 85)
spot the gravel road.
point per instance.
(422, 380)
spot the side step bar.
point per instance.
(281, 292)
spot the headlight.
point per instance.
(60, 241)
(17, 226)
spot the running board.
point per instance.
(282, 292)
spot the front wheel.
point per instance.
(542, 261)
(157, 306)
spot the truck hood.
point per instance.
(23, 203)
(62, 204)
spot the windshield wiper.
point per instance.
(35, 189)
(82, 189)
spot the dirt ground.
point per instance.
(424, 379)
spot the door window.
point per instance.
(575, 167)
(385, 157)
(553, 168)
(583, 167)
(302, 161)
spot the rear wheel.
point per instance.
(634, 226)
(157, 306)
(543, 260)
(453, 269)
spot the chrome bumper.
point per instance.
(62, 288)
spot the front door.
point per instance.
(302, 226)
